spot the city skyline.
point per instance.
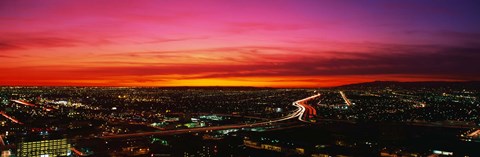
(236, 43)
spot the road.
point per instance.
(11, 118)
(308, 111)
(475, 133)
(345, 99)
(30, 104)
(303, 110)
(24, 103)
(2, 143)
(79, 153)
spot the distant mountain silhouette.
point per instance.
(428, 84)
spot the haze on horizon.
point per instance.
(273, 43)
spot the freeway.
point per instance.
(11, 118)
(2, 143)
(302, 110)
(79, 153)
(345, 99)
(308, 111)
(30, 104)
(24, 103)
(475, 133)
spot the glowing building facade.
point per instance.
(44, 148)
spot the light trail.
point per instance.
(474, 133)
(301, 104)
(299, 112)
(2, 143)
(30, 104)
(345, 99)
(79, 153)
(11, 118)
(24, 103)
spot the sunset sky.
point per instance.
(272, 43)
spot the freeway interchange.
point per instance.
(304, 113)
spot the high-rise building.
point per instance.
(44, 148)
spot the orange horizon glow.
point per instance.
(303, 43)
(275, 82)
